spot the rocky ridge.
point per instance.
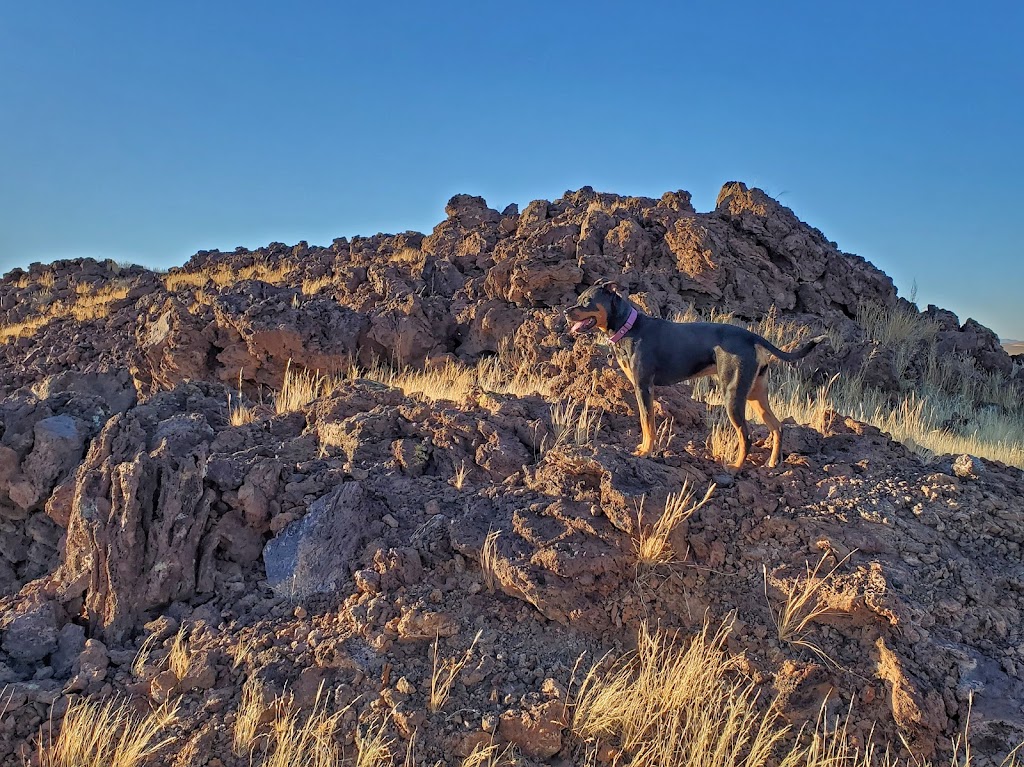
(332, 545)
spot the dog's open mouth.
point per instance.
(583, 325)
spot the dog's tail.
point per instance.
(796, 354)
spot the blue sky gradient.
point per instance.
(145, 132)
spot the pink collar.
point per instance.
(625, 328)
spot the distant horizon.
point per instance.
(145, 133)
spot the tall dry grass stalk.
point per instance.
(109, 734)
(668, 704)
(651, 543)
(489, 560)
(143, 655)
(444, 674)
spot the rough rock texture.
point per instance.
(341, 546)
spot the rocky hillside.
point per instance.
(329, 546)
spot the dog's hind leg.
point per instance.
(758, 397)
(735, 388)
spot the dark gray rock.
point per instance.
(317, 553)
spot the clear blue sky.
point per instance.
(146, 131)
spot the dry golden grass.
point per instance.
(221, 275)
(489, 558)
(444, 673)
(242, 651)
(574, 423)
(675, 703)
(143, 655)
(411, 256)
(239, 413)
(453, 382)
(664, 434)
(313, 285)
(179, 656)
(460, 476)
(721, 440)
(299, 389)
(109, 734)
(490, 756)
(374, 745)
(895, 325)
(803, 603)
(90, 303)
(306, 739)
(672, 705)
(651, 543)
(918, 419)
(245, 731)
(23, 329)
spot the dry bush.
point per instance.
(109, 734)
(651, 543)
(444, 673)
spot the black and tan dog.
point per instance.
(656, 352)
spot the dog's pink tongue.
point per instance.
(578, 326)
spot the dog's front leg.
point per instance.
(645, 406)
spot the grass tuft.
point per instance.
(109, 734)
(651, 543)
(444, 673)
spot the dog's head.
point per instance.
(593, 308)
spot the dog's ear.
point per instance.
(612, 287)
